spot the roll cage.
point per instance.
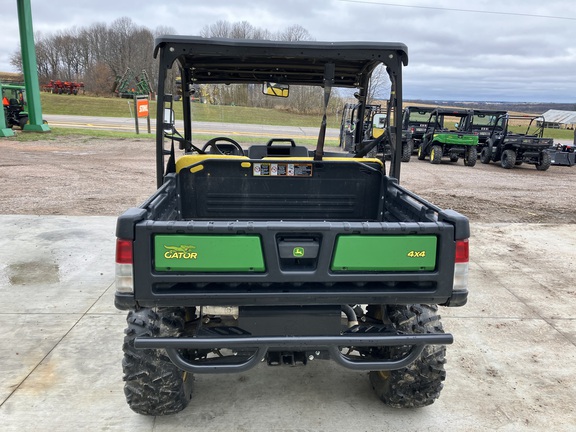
(324, 64)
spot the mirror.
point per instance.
(379, 120)
(169, 116)
(275, 89)
(169, 120)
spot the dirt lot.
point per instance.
(90, 176)
(510, 368)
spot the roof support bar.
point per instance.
(328, 83)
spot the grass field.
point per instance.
(117, 107)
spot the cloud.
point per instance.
(513, 51)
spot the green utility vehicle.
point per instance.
(14, 103)
(439, 141)
(510, 148)
(278, 254)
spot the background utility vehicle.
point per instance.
(278, 254)
(414, 123)
(510, 148)
(14, 103)
(439, 141)
(375, 124)
(481, 123)
(350, 123)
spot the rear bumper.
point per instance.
(355, 337)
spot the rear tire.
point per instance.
(471, 156)
(436, 154)
(421, 153)
(508, 159)
(420, 383)
(23, 121)
(406, 151)
(153, 384)
(485, 155)
(545, 162)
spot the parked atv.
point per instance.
(481, 123)
(351, 122)
(14, 102)
(510, 148)
(439, 141)
(414, 123)
(276, 254)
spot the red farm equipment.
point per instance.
(63, 87)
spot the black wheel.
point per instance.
(22, 122)
(348, 142)
(485, 155)
(419, 384)
(215, 146)
(421, 153)
(153, 385)
(545, 162)
(436, 154)
(407, 151)
(471, 156)
(508, 159)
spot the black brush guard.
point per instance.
(358, 336)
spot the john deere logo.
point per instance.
(298, 252)
(180, 252)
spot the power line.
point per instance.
(458, 10)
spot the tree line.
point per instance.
(95, 55)
(99, 54)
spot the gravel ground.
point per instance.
(93, 176)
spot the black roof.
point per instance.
(489, 111)
(217, 60)
(454, 111)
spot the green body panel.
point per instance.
(208, 253)
(384, 253)
(456, 139)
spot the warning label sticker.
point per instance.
(282, 169)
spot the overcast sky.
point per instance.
(486, 50)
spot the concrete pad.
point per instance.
(53, 264)
(509, 374)
(78, 386)
(26, 340)
(511, 367)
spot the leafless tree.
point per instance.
(220, 29)
(100, 53)
(379, 85)
(294, 33)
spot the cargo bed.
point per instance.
(317, 234)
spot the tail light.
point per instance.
(461, 266)
(124, 266)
